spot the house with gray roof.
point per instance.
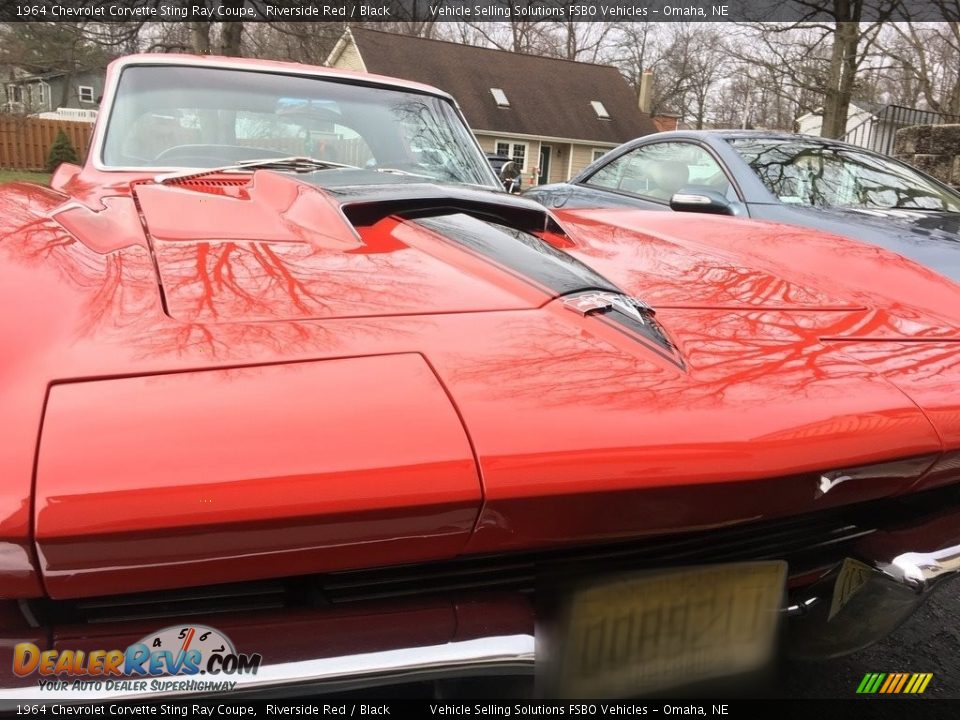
(42, 93)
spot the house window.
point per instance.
(500, 97)
(599, 109)
(14, 93)
(42, 95)
(85, 93)
(597, 153)
(515, 150)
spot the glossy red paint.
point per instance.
(317, 261)
(297, 466)
(272, 209)
(242, 385)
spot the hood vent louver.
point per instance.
(230, 187)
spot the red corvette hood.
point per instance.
(691, 261)
(337, 384)
(282, 250)
(278, 249)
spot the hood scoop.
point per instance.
(266, 207)
(286, 251)
(368, 204)
(275, 248)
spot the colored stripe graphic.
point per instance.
(894, 683)
(890, 681)
(903, 681)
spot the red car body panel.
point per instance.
(326, 464)
(287, 392)
(316, 261)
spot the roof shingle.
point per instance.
(548, 97)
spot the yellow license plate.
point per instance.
(651, 632)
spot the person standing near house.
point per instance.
(510, 177)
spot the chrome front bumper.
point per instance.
(859, 603)
(495, 655)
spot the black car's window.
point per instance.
(659, 170)
(813, 174)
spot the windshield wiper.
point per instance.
(294, 163)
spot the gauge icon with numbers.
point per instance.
(181, 639)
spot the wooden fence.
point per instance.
(25, 141)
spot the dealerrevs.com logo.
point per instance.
(147, 665)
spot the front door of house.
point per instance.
(542, 178)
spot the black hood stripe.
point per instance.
(525, 254)
(551, 270)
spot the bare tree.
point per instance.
(200, 37)
(231, 35)
(823, 57)
(636, 48)
(521, 36)
(687, 60)
(924, 64)
(304, 42)
(581, 41)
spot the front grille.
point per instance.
(237, 597)
(806, 543)
(809, 543)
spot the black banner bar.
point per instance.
(475, 10)
(915, 709)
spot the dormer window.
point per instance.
(500, 97)
(599, 109)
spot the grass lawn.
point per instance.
(11, 175)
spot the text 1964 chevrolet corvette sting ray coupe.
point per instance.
(281, 350)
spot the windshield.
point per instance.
(816, 175)
(193, 117)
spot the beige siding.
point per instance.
(583, 156)
(533, 163)
(561, 166)
(558, 163)
(349, 58)
(487, 142)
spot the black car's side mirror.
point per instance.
(701, 201)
